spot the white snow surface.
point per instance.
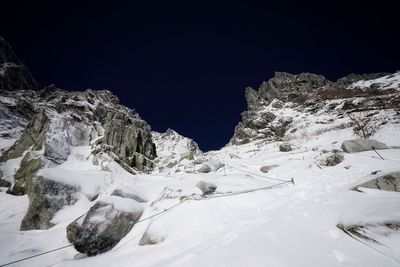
(391, 81)
(291, 225)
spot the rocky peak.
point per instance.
(284, 86)
(14, 75)
(174, 151)
(310, 93)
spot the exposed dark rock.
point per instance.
(129, 138)
(101, 228)
(332, 158)
(4, 183)
(285, 147)
(14, 74)
(24, 175)
(33, 136)
(252, 98)
(46, 197)
(285, 85)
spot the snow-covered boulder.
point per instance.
(332, 158)
(205, 169)
(206, 188)
(104, 225)
(359, 145)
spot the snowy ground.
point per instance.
(293, 225)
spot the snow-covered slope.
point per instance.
(391, 81)
(290, 225)
(295, 206)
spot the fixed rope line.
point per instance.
(70, 245)
(36, 255)
(246, 191)
(182, 200)
(262, 176)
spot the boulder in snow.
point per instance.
(46, 198)
(285, 147)
(104, 225)
(389, 182)
(359, 145)
(205, 169)
(332, 158)
(206, 188)
(267, 168)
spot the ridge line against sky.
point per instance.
(185, 65)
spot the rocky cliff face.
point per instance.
(272, 109)
(40, 130)
(14, 75)
(56, 122)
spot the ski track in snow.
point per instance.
(286, 226)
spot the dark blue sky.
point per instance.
(185, 65)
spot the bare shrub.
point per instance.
(363, 124)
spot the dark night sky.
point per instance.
(185, 66)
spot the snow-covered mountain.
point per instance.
(287, 105)
(84, 181)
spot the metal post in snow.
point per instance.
(373, 148)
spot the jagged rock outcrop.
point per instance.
(58, 122)
(14, 75)
(289, 87)
(44, 126)
(286, 100)
(103, 226)
(24, 175)
(175, 152)
(61, 119)
(130, 138)
(32, 138)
